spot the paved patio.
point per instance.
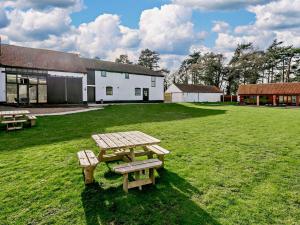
(53, 111)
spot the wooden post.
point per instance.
(137, 177)
(297, 100)
(132, 154)
(274, 100)
(125, 182)
(89, 174)
(152, 175)
(257, 100)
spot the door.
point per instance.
(32, 93)
(56, 91)
(145, 94)
(91, 94)
(74, 90)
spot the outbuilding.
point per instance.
(270, 94)
(193, 93)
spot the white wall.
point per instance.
(77, 75)
(173, 89)
(124, 89)
(202, 97)
(2, 85)
(177, 97)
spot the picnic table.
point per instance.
(123, 145)
(14, 120)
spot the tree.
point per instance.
(124, 59)
(149, 59)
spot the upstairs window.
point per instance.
(109, 90)
(103, 73)
(153, 81)
(126, 75)
(138, 92)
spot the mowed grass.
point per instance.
(228, 165)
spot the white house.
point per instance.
(193, 93)
(115, 82)
(40, 76)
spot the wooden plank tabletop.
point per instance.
(15, 112)
(124, 140)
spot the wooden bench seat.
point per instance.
(159, 151)
(137, 167)
(88, 161)
(13, 121)
(32, 120)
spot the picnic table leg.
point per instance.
(100, 156)
(132, 154)
(89, 174)
(151, 175)
(137, 177)
(125, 182)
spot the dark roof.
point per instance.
(197, 88)
(16, 56)
(270, 89)
(96, 64)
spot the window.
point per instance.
(138, 92)
(42, 94)
(11, 78)
(153, 81)
(103, 73)
(109, 91)
(126, 75)
(12, 93)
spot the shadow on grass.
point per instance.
(55, 129)
(169, 202)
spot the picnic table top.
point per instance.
(124, 140)
(15, 112)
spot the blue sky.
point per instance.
(130, 12)
(173, 28)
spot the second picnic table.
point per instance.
(123, 144)
(14, 119)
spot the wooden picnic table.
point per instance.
(122, 144)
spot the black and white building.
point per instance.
(39, 76)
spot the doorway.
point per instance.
(145, 94)
(91, 94)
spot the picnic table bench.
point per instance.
(88, 161)
(137, 167)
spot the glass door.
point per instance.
(32, 93)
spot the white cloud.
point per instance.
(219, 4)
(284, 14)
(43, 4)
(36, 25)
(168, 29)
(220, 27)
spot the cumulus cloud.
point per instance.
(284, 14)
(167, 29)
(45, 4)
(220, 27)
(36, 25)
(219, 4)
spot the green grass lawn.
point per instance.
(228, 165)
